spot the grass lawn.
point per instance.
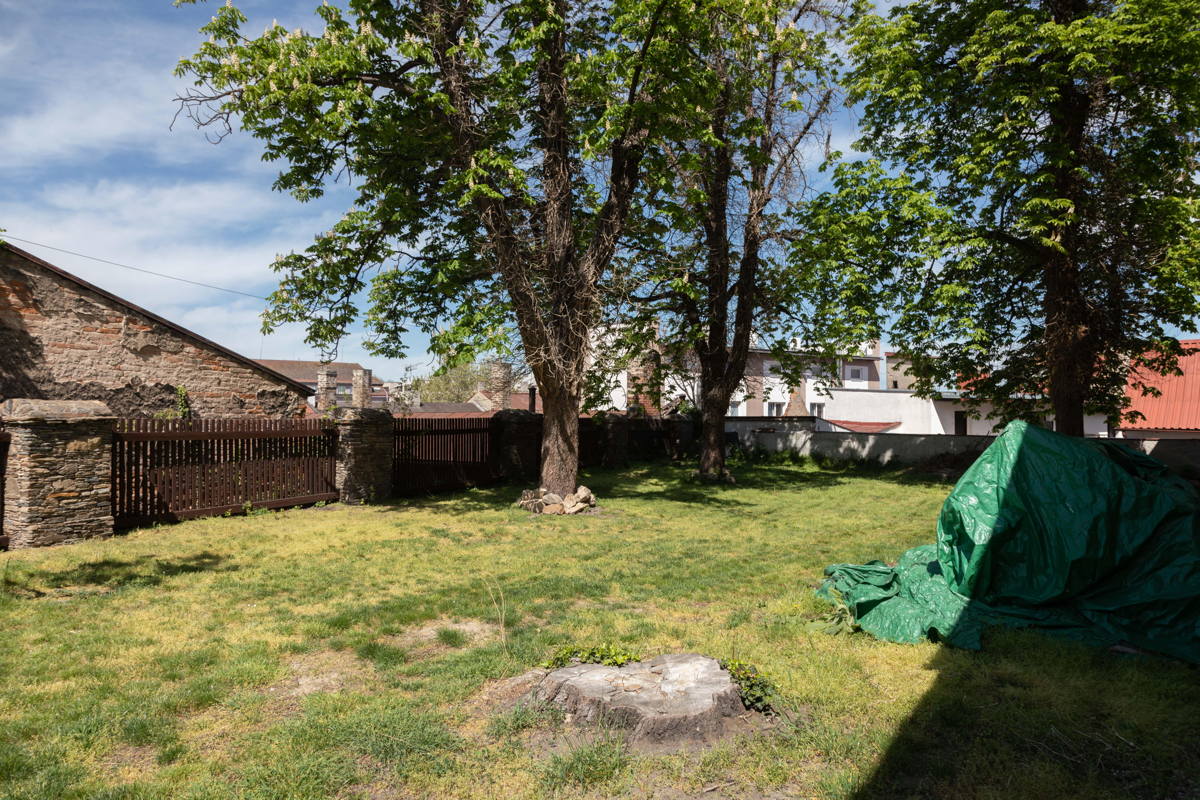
(343, 652)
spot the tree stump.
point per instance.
(676, 698)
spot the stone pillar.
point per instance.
(364, 457)
(616, 440)
(360, 388)
(326, 389)
(58, 482)
(500, 382)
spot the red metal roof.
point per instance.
(1178, 407)
(863, 427)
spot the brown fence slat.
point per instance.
(442, 454)
(166, 470)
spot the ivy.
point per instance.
(606, 654)
(759, 693)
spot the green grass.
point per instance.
(276, 656)
(451, 637)
(587, 765)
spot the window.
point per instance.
(895, 384)
(735, 409)
(775, 409)
(960, 423)
(856, 373)
(817, 409)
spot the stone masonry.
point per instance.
(326, 389)
(63, 339)
(364, 461)
(360, 388)
(58, 480)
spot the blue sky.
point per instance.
(89, 163)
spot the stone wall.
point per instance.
(366, 440)
(58, 476)
(61, 340)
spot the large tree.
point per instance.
(493, 149)
(1034, 214)
(706, 278)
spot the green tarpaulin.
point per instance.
(1082, 538)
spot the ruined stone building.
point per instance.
(61, 338)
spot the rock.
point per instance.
(552, 508)
(575, 508)
(528, 496)
(584, 495)
(550, 498)
(670, 699)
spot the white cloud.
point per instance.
(88, 163)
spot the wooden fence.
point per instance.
(167, 470)
(447, 453)
(5, 437)
(442, 453)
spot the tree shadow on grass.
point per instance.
(114, 573)
(671, 482)
(1033, 717)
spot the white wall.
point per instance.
(884, 448)
(915, 414)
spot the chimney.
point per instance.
(500, 384)
(326, 389)
(360, 388)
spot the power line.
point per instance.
(135, 269)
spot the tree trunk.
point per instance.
(560, 442)
(1069, 356)
(713, 406)
(1067, 341)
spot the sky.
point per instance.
(89, 163)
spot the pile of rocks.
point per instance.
(542, 501)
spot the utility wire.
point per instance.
(135, 269)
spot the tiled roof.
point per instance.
(306, 371)
(448, 410)
(1178, 407)
(863, 427)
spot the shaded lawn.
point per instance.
(337, 652)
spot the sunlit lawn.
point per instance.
(342, 652)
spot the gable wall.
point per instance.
(59, 340)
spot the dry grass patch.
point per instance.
(444, 635)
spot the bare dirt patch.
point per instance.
(496, 696)
(319, 671)
(131, 762)
(423, 642)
